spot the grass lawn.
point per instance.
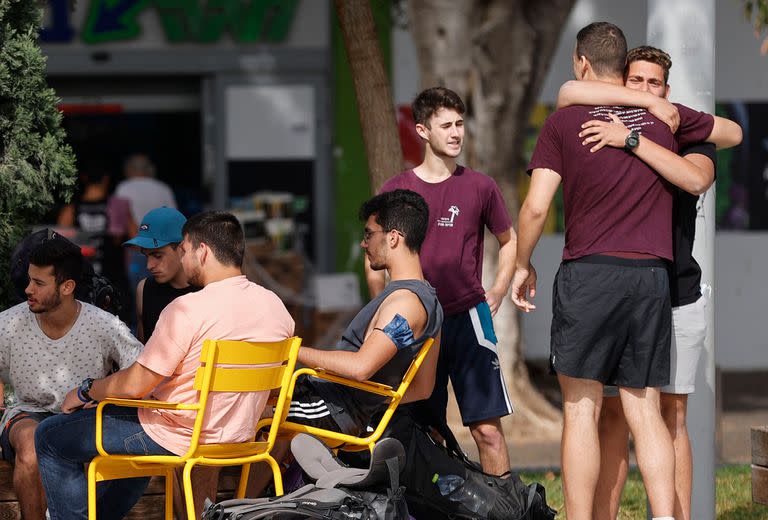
(734, 495)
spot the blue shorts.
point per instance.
(468, 356)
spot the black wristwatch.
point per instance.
(85, 387)
(632, 140)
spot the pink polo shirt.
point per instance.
(233, 309)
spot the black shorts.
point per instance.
(308, 407)
(612, 321)
(9, 454)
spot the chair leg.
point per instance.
(92, 490)
(278, 476)
(188, 496)
(169, 476)
(243, 485)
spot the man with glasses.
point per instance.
(384, 337)
(462, 203)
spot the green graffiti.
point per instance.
(266, 20)
(113, 20)
(192, 21)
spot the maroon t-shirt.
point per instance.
(460, 207)
(613, 201)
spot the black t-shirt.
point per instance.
(155, 298)
(686, 273)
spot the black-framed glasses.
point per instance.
(367, 234)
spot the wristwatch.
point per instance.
(85, 387)
(632, 140)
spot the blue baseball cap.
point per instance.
(158, 228)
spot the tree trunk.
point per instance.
(495, 54)
(372, 90)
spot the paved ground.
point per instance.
(744, 405)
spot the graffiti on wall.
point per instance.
(183, 21)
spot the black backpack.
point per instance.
(93, 288)
(513, 500)
(339, 492)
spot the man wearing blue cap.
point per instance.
(158, 239)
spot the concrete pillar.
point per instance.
(686, 30)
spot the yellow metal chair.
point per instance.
(341, 440)
(225, 366)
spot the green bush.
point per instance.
(37, 168)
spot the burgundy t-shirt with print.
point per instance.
(460, 207)
(613, 201)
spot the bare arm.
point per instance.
(424, 380)
(725, 133)
(139, 310)
(601, 93)
(684, 174)
(378, 348)
(533, 215)
(133, 382)
(376, 279)
(506, 266)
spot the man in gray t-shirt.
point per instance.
(47, 346)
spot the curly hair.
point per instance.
(403, 210)
(651, 55)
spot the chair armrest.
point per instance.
(367, 386)
(147, 403)
(131, 403)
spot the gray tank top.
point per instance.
(361, 406)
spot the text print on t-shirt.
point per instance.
(448, 221)
(632, 117)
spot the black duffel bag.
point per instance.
(506, 498)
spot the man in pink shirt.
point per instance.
(228, 307)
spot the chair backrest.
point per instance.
(415, 365)
(242, 366)
(400, 391)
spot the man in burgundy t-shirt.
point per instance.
(462, 203)
(611, 310)
(646, 86)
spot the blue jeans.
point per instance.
(65, 442)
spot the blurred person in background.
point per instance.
(104, 221)
(144, 193)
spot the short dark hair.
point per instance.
(403, 210)
(605, 46)
(651, 55)
(219, 230)
(64, 256)
(433, 99)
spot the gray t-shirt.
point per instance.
(42, 370)
(361, 406)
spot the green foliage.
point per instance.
(756, 11)
(733, 494)
(37, 169)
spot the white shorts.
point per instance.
(689, 327)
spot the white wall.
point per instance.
(741, 342)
